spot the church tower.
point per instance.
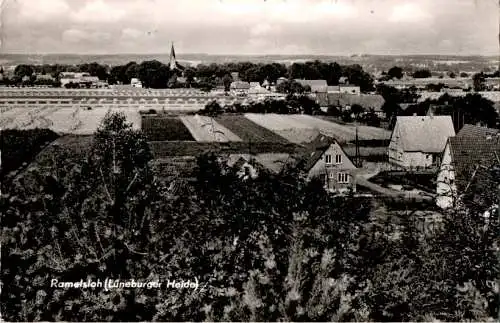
(173, 65)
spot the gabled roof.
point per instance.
(317, 148)
(468, 152)
(424, 133)
(469, 130)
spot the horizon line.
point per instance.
(250, 54)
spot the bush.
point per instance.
(21, 146)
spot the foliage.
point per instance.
(422, 74)
(435, 87)
(19, 147)
(395, 72)
(273, 248)
(290, 87)
(472, 109)
(227, 80)
(153, 74)
(94, 69)
(478, 80)
(23, 70)
(357, 110)
(393, 97)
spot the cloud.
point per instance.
(98, 11)
(252, 26)
(131, 34)
(408, 13)
(40, 11)
(82, 36)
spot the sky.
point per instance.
(288, 27)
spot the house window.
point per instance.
(332, 175)
(338, 159)
(328, 159)
(343, 178)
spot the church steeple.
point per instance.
(173, 62)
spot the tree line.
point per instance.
(272, 248)
(155, 74)
(472, 108)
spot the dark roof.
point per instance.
(367, 101)
(469, 130)
(469, 152)
(317, 148)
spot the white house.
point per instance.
(344, 88)
(135, 82)
(464, 155)
(418, 141)
(328, 161)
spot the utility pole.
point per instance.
(358, 154)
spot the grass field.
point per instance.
(206, 129)
(62, 119)
(248, 130)
(165, 128)
(304, 128)
(343, 133)
(284, 126)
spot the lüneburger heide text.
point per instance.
(108, 284)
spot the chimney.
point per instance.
(414, 114)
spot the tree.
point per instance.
(478, 80)
(23, 70)
(154, 74)
(422, 73)
(357, 76)
(463, 74)
(434, 87)
(452, 75)
(189, 73)
(227, 80)
(395, 72)
(290, 87)
(95, 69)
(212, 109)
(357, 110)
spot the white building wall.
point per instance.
(446, 189)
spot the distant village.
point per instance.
(359, 134)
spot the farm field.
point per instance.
(248, 130)
(62, 119)
(284, 126)
(343, 132)
(304, 128)
(206, 129)
(165, 128)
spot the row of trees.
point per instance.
(156, 74)
(471, 108)
(293, 104)
(274, 248)
(396, 72)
